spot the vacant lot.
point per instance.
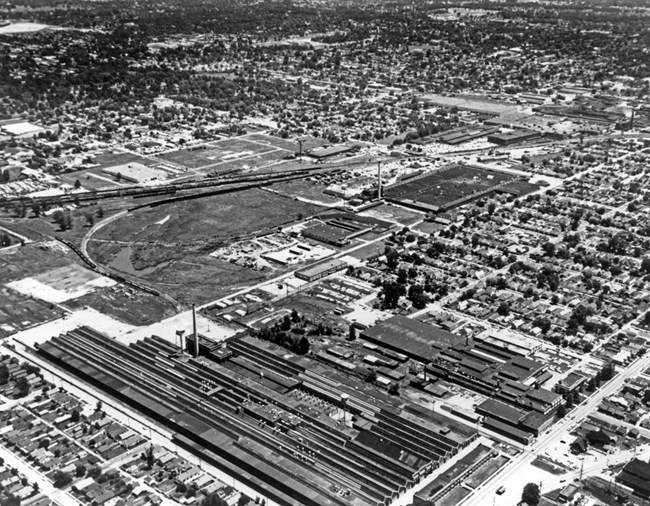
(33, 259)
(125, 304)
(19, 312)
(168, 246)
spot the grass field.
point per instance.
(111, 159)
(169, 244)
(18, 312)
(222, 151)
(137, 309)
(395, 213)
(33, 259)
(307, 190)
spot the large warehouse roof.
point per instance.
(411, 337)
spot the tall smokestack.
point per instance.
(195, 333)
(378, 180)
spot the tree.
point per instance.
(392, 258)
(94, 472)
(607, 372)
(61, 479)
(148, 456)
(4, 374)
(352, 333)
(646, 397)
(645, 265)
(371, 376)
(561, 411)
(286, 322)
(77, 184)
(75, 416)
(243, 500)
(531, 494)
(393, 389)
(597, 437)
(22, 387)
(214, 500)
(303, 346)
(391, 294)
(549, 249)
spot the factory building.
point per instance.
(290, 428)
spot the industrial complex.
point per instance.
(324, 253)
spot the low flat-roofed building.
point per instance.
(571, 383)
(542, 400)
(508, 138)
(320, 270)
(521, 369)
(567, 493)
(501, 411)
(321, 153)
(135, 172)
(636, 475)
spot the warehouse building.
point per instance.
(515, 137)
(322, 269)
(417, 340)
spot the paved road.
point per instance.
(509, 474)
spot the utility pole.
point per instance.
(582, 465)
